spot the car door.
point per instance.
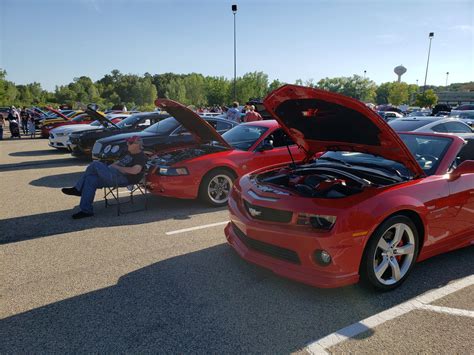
(461, 192)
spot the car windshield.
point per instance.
(80, 118)
(129, 121)
(164, 127)
(96, 123)
(242, 137)
(427, 150)
(407, 125)
(367, 160)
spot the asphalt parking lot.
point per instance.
(144, 282)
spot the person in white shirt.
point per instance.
(233, 114)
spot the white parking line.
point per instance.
(196, 228)
(420, 302)
(448, 310)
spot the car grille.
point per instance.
(268, 214)
(267, 249)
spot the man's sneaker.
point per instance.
(71, 191)
(81, 214)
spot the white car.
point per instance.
(430, 124)
(59, 137)
(467, 116)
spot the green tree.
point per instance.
(426, 99)
(398, 93)
(175, 90)
(251, 85)
(275, 84)
(382, 93)
(217, 90)
(356, 86)
(195, 89)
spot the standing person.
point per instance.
(2, 124)
(252, 115)
(25, 116)
(13, 123)
(31, 126)
(17, 116)
(233, 113)
(128, 170)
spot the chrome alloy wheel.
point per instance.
(218, 188)
(394, 254)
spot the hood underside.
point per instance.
(320, 121)
(191, 121)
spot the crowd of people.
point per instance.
(234, 113)
(19, 120)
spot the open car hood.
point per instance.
(319, 121)
(100, 117)
(59, 114)
(191, 121)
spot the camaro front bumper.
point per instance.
(280, 248)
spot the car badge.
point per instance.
(254, 212)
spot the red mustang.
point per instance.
(370, 206)
(208, 167)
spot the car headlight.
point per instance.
(167, 171)
(115, 149)
(107, 149)
(319, 222)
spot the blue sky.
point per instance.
(53, 41)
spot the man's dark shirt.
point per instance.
(129, 160)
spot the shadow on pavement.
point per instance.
(37, 164)
(59, 222)
(58, 180)
(36, 153)
(210, 301)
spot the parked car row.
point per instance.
(326, 193)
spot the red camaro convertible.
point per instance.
(370, 206)
(208, 167)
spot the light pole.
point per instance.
(447, 74)
(234, 11)
(431, 35)
(365, 72)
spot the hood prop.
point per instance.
(293, 164)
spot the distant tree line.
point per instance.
(139, 92)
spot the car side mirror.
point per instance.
(466, 167)
(266, 145)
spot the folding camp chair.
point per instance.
(112, 195)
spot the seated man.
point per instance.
(128, 170)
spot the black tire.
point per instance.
(219, 179)
(387, 263)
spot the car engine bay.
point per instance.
(323, 181)
(171, 157)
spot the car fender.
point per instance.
(389, 206)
